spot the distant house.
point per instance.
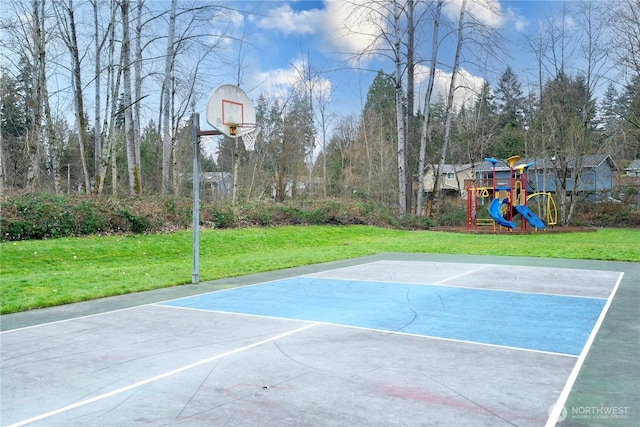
(596, 177)
(633, 169)
(302, 184)
(219, 183)
(628, 183)
(452, 178)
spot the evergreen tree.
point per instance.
(509, 100)
(609, 137)
(631, 114)
(480, 127)
(14, 127)
(381, 95)
(381, 103)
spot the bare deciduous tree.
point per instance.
(427, 106)
(133, 163)
(65, 14)
(449, 105)
(166, 98)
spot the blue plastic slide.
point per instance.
(530, 216)
(494, 211)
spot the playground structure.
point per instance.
(509, 199)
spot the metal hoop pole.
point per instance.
(195, 275)
(197, 133)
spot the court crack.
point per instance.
(484, 408)
(284, 353)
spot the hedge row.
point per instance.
(43, 215)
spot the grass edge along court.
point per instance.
(43, 273)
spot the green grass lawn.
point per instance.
(41, 273)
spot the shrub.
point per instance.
(222, 216)
(133, 222)
(41, 215)
(89, 219)
(15, 229)
(607, 214)
(46, 215)
(453, 217)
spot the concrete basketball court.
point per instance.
(392, 339)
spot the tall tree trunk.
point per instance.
(1, 167)
(166, 97)
(71, 40)
(138, 68)
(97, 138)
(53, 142)
(137, 83)
(427, 107)
(114, 72)
(410, 103)
(34, 139)
(449, 107)
(400, 122)
(132, 171)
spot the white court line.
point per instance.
(380, 331)
(320, 275)
(564, 395)
(482, 267)
(71, 319)
(444, 285)
(158, 377)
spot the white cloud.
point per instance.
(487, 12)
(235, 17)
(219, 35)
(520, 23)
(288, 21)
(468, 86)
(278, 83)
(569, 22)
(354, 26)
(347, 27)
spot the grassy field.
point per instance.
(41, 273)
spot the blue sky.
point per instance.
(280, 39)
(285, 37)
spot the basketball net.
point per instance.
(249, 138)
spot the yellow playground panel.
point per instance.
(549, 207)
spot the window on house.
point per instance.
(451, 175)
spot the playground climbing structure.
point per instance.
(509, 199)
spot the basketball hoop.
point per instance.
(233, 129)
(249, 137)
(230, 111)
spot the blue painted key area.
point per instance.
(553, 323)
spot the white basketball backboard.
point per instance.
(231, 111)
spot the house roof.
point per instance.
(634, 166)
(589, 161)
(216, 177)
(451, 168)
